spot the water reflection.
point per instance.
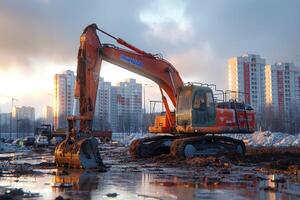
(277, 187)
(67, 182)
(80, 184)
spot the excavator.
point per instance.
(197, 127)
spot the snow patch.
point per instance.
(267, 138)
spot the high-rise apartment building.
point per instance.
(102, 115)
(23, 119)
(63, 98)
(114, 109)
(48, 115)
(118, 108)
(283, 87)
(5, 120)
(129, 106)
(246, 75)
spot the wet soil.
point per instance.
(280, 160)
(263, 173)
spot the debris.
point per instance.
(10, 148)
(269, 188)
(112, 195)
(209, 161)
(62, 185)
(62, 173)
(248, 177)
(23, 169)
(224, 171)
(61, 198)
(17, 193)
(211, 180)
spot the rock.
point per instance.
(12, 194)
(211, 180)
(102, 169)
(15, 192)
(61, 198)
(23, 169)
(112, 195)
(224, 171)
(294, 169)
(268, 188)
(61, 173)
(248, 177)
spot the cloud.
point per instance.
(196, 36)
(199, 64)
(166, 21)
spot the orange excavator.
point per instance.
(195, 128)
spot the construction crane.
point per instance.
(191, 130)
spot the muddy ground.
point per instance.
(265, 171)
(269, 160)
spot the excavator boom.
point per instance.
(91, 53)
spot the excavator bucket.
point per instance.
(79, 149)
(80, 153)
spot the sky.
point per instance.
(39, 38)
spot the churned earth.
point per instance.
(264, 173)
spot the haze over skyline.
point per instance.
(41, 37)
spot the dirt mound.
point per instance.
(223, 162)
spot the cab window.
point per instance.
(209, 99)
(199, 101)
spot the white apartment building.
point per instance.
(129, 101)
(246, 75)
(48, 115)
(102, 115)
(118, 108)
(63, 98)
(283, 86)
(5, 120)
(23, 119)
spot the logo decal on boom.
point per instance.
(130, 60)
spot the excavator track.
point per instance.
(206, 146)
(151, 146)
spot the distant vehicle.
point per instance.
(29, 141)
(18, 142)
(56, 140)
(42, 141)
(45, 130)
(102, 136)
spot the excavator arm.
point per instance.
(88, 69)
(90, 56)
(79, 149)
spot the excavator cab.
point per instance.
(195, 108)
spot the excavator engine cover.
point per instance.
(80, 153)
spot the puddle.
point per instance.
(79, 184)
(148, 181)
(12, 155)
